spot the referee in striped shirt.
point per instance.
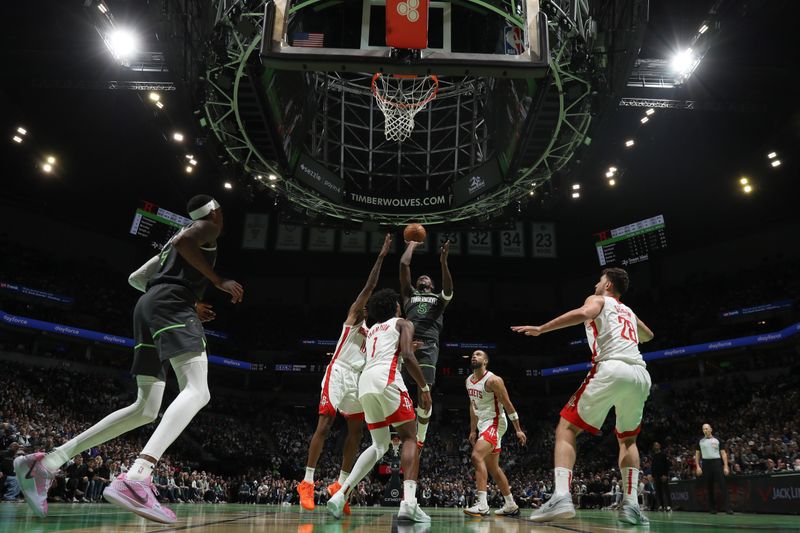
(715, 464)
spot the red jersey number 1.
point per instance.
(628, 331)
(374, 345)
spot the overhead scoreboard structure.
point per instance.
(156, 224)
(631, 244)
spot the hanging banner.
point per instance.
(354, 242)
(544, 240)
(376, 242)
(254, 236)
(321, 240)
(480, 243)
(455, 242)
(290, 238)
(512, 241)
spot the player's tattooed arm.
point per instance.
(496, 385)
(357, 309)
(406, 330)
(589, 311)
(405, 271)
(447, 278)
(645, 333)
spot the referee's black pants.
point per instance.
(713, 474)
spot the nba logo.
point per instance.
(514, 42)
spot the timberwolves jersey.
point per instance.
(425, 310)
(174, 269)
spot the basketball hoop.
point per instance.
(401, 97)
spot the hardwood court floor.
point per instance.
(99, 518)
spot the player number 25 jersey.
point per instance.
(484, 402)
(613, 334)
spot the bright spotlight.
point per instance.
(154, 96)
(16, 139)
(612, 182)
(530, 193)
(748, 189)
(683, 62)
(703, 29)
(644, 120)
(123, 43)
(193, 162)
(629, 143)
(103, 9)
(771, 155)
(228, 185)
(776, 163)
(23, 131)
(273, 177)
(744, 181)
(609, 174)
(612, 169)
(47, 167)
(177, 136)
(576, 195)
(576, 187)
(649, 111)
(272, 185)
(51, 160)
(189, 156)
(189, 169)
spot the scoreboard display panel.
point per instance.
(156, 224)
(631, 244)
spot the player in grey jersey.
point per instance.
(425, 309)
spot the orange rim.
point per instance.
(405, 76)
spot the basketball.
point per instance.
(414, 232)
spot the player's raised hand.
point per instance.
(522, 438)
(473, 437)
(387, 244)
(445, 251)
(425, 401)
(205, 312)
(532, 331)
(233, 288)
(412, 244)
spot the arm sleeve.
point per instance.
(138, 279)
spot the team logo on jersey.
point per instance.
(409, 10)
(323, 401)
(407, 403)
(422, 308)
(571, 401)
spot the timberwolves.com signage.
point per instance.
(399, 203)
(312, 173)
(480, 181)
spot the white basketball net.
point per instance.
(401, 99)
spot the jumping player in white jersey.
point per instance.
(488, 403)
(340, 390)
(618, 378)
(386, 402)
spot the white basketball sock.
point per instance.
(191, 369)
(630, 484)
(509, 500)
(309, 475)
(143, 411)
(410, 491)
(482, 499)
(343, 476)
(142, 470)
(563, 480)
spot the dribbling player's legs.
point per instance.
(141, 412)
(191, 370)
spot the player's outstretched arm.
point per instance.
(645, 333)
(406, 330)
(139, 278)
(188, 243)
(589, 311)
(405, 270)
(372, 282)
(496, 385)
(447, 278)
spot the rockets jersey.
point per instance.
(351, 350)
(383, 359)
(613, 334)
(486, 405)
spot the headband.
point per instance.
(203, 210)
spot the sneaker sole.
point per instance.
(564, 515)
(476, 514)
(112, 496)
(515, 513)
(29, 496)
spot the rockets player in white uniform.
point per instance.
(488, 403)
(618, 378)
(340, 390)
(386, 402)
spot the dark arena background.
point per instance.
(538, 142)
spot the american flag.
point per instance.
(308, 40)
